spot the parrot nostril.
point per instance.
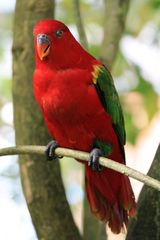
(44, 36)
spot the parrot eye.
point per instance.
(59, 33)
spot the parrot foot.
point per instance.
(50, 150)
(93, 161)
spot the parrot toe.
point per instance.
(50, 150)
(93, 161)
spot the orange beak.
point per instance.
(43, 46)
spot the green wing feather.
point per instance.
(109, 97)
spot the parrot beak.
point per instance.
(43, 46)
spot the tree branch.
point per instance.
(106, 162)
(114, 23)
(79, 23)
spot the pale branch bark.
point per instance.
(106, 162)
(114, 22)
(79, 23)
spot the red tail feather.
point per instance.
(111, 197)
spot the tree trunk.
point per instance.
(90, 223)
(146, 226)
(41, 180)
(92, 227)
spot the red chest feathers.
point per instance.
(69, 95)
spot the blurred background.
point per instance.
(136, 72)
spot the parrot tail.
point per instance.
(110, 197)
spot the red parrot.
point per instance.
(81, 109)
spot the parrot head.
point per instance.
(54, 44)
(49, 33)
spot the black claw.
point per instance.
(93, 161)
(50, 150)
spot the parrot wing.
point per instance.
(108, 95)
